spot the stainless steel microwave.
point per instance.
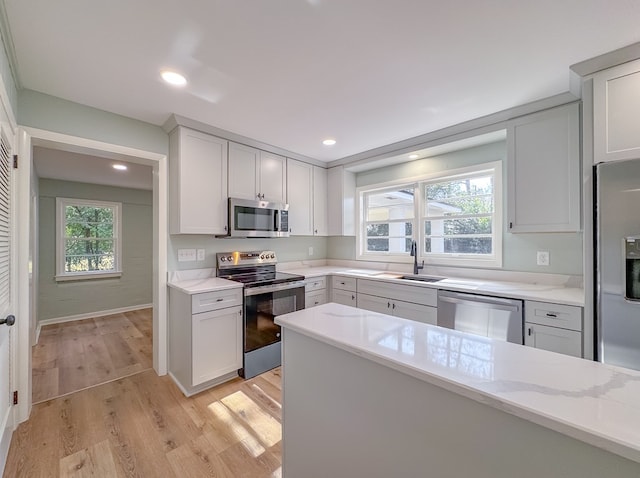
(258, 218)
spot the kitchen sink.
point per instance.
(422, 278)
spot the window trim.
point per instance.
(61, 274)
(459, 260)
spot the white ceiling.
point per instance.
(82, 168)
(293, 72)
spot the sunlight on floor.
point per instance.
(267, 428)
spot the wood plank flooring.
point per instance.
(75, 355)
(143, 426)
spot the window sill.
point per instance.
(87, 276)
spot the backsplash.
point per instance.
(286, 248)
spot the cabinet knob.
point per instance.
(316, 231)
(353, 297)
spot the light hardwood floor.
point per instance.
(143, 426)
(75, 355)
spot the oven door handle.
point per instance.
(265, 289)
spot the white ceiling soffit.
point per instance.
(291, 73)
(67, 166)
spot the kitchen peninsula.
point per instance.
(372, 395)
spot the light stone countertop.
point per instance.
(198, 281)
(551, 293)
(589, 401)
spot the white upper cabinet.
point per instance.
(307, 198)
(300, 197)
(341, 197)
(544, 171)
(320, 224)
(197, 183)
(616, 113)
(256, 174)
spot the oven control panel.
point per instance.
(251, 258)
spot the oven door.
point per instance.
(257, 218)
(262, 305)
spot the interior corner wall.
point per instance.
(66, 299)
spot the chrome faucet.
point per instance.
(414, 254)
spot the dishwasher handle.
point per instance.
(479, 301)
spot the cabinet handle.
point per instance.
(316, 231)
(529, 331)
(289, 229)
(220, 299)
(225, 228)
(388, 305)
(394, 306)
(550, 314)
(342, 283)
(353, 297)
(258, 195)
(510, 225)
(262, 196)
(316, 303)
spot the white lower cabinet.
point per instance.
(205, 338)
(419, 303)
(345, 297)
(553, 327)
(315, 292)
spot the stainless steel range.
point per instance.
(267, 294)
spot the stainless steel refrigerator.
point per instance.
(617, 263)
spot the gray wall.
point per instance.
(63, 299)
(519, 250)
(61, 116)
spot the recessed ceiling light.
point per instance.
(414, 156)
(329, 142)
(173, 78)
(120, 167)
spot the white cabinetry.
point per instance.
(256, 174)
(341, 202)
(616, 113)
(315, 291)
(553, 327)
(405, 301)
(320, 223)
(197, 183)
(343, 290)
(205, 338)
(307, 198)
(544, 171)
(300, 197)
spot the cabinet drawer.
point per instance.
(553, 315)
(408, 293)
(315, 283)
(218, 299)
(343, 283)
(318, 297)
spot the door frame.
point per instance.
(26, 139)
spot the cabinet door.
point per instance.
(317, 297)
(544, 171)
(568, 342)
(320, 225)
(244, 162)
(341, 202)
(374, 304)
(417, 312)
(273, 177)
(344, 297)
(217, 343)
(616, 113)
(198, 185)
(300, 197)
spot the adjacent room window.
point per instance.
(454, 216)
(88, 239)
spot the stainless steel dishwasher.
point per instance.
(481, 315)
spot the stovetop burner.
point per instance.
(254, 268)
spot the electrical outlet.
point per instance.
(543, 258)
(186, 255)
(310, 250)
(201, 254)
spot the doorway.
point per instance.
(28, 138)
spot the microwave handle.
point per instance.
(276, 220)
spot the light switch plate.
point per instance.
(201, 254)
(543, 258)
(186, 255)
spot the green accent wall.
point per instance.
(519, 250)
(134, 287)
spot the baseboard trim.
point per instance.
(190, 391)
(5, 439)
(89, 315)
